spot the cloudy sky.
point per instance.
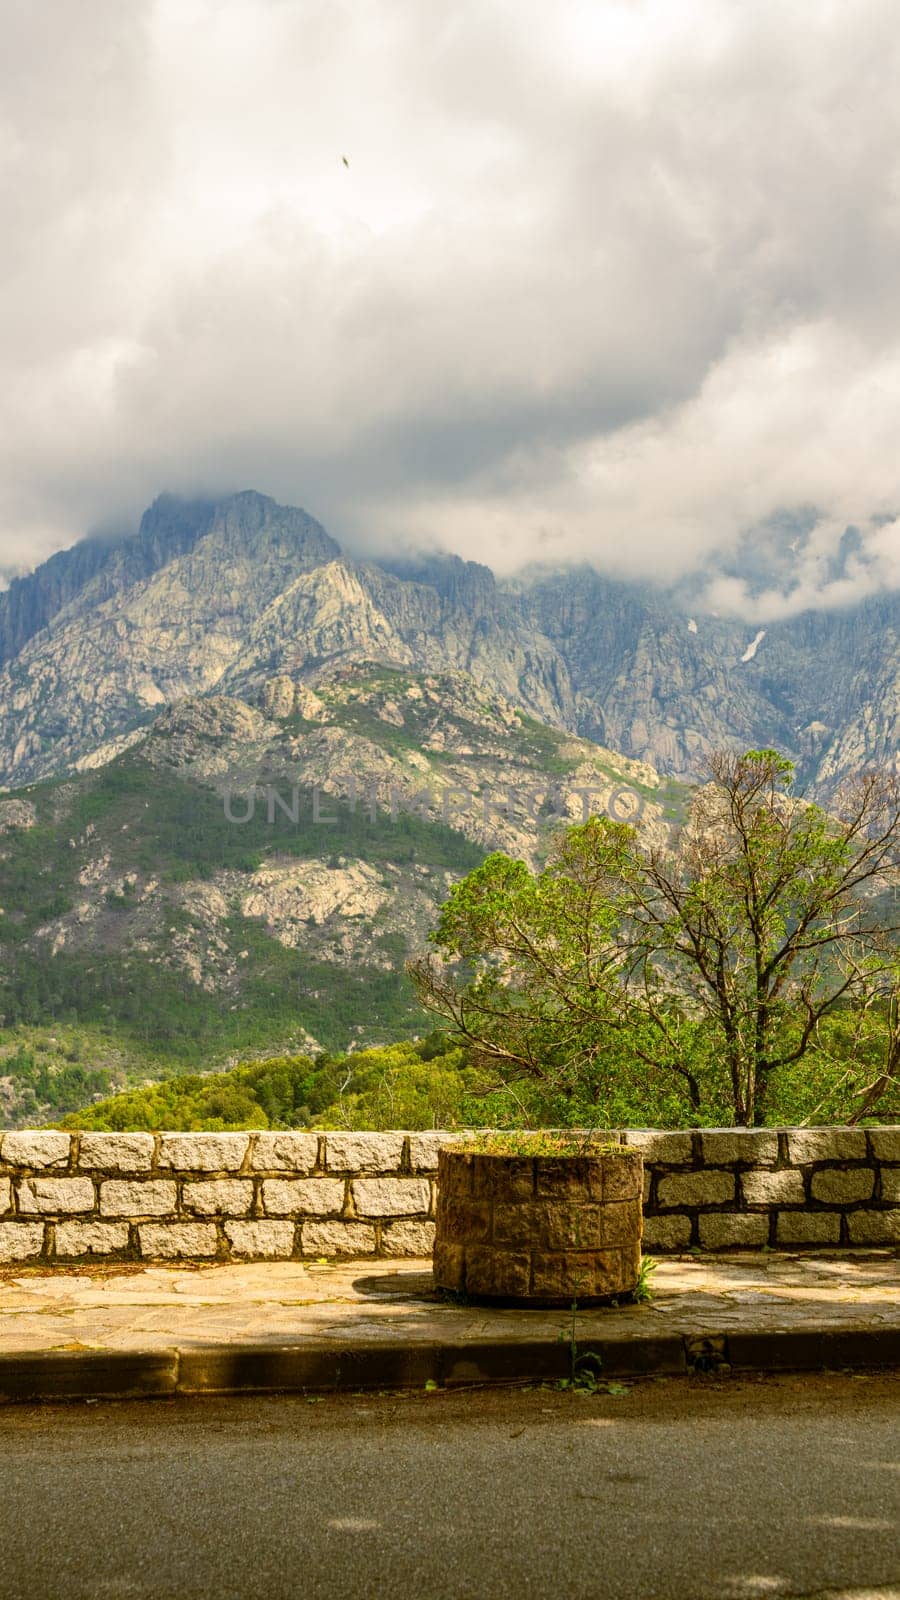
(614, 280)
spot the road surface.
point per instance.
(675, 1490)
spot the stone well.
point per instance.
(539, 1230)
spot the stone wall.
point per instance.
(262, 1196)
(790, 1188)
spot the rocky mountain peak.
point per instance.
(457, 582)
(171, 525)
(211, 597)
(257, 526)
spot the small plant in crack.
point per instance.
(643, 1289)
(585, 1366)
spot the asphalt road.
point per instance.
(676, 1490)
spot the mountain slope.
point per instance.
(95, 569)
(248, 878)
(666, 686)
(117, 652)
(212, 599)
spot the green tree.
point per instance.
(764, 920)
(532, 967)
(713, 961)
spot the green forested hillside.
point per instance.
(124, 972)
(149, 928)
(414, 1085)
(431, 1082)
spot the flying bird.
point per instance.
(345, 161)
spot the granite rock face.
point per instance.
(223, 598)
(664, 686)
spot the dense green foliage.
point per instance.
(433, 1083)
(415, 1085)
(709, 978)
(42, 1084)
(163, 1012)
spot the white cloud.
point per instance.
(613, 280)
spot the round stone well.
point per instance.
(539, 1229)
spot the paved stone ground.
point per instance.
(276, 1303)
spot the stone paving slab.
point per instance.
(272, 1325)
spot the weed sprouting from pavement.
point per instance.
(643, 1289)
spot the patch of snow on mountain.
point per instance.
(753, 646)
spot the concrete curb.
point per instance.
(330, 1368)
(88, 1375)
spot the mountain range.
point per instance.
(242, 771)
(218, 598)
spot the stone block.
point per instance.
(668, 1149)
(5, 1194)
(890, 1183)
(219, 1197)
(584, 1275)
(575, 1178)
(449, 1264)
(621, 1176)
(337, 1238)
(695, 1188)
(297, 1197)
(91, 1238)
(509, 1177)
(456, 1173)
(667, 1233)
(468, 1219)
(514, 1226)
(169, 1241)
(50, 1197)
(843, 1188)
(20, 1241)
(826, 1144)
(808, 1227)
(621, 1223)
(285, 1152)
(36, 1150)
(874, 1227)
(497, 1272)
(773, 1188)
(363, 1152)
(391, 1197)
(719, 1230)
(203, 1152)
(425, 1147)
(116, 1152)
(139, 1197)
(885, 1143)
(261, 1241)
(757, 1147)
(407, 1237)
